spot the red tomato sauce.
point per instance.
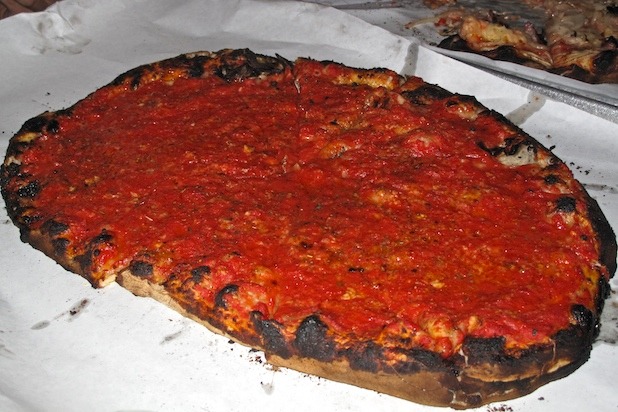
(345, 201)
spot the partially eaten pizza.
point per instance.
(354, 224)
(574, 39)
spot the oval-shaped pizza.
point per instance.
(355, 224)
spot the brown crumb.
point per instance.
(499, 408)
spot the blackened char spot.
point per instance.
(493, 151)
(605, 61)
(29, 219)
(504, 53)
(220, 297)
(85, 260)
(243, 63)
(53, 227)
(199, 272)
(417, 359)
(196, 69)
(583, 316)
(511, 146)
(16, 148)
(133, 77)
(312, 340)
(551, 179)
(60, 246)
(426, 94)
(10, 170)
(30, 190)
(482, 350)
(102, 237)
(141, 268)
(566, 204)
(53, 126)
(35, 125)
(273, 340)
(193, 64)
(365, 357)
(575, 342)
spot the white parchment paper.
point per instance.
(65, 346)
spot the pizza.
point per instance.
(351, 223)
(574, 39)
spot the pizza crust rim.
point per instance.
(440, 384)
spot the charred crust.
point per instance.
(103, 237)
(16, 148)
(575, 72)
(242, 64)
(510, 147)
(92, 249)
(503, 53)
(420, 359)
(483, 350)
(36, 124)
(9, 171)
(192, 64)
(566, 204)
(455, 43)
(512, 144)
(458, 99)
(30, 190)
(221, 295)
(53, 227)
(606, 61)
(583, 316)
(25, 218)
(606, 235)
(132, 77)
(604, 292)
(575, 343)
(60, 246)
(141, 268)
(198, 273)
(604, 64)
(426, 94)
(53, 126)
(551, 179)
(312, 340)
(186, 65)
(273, 339)
(232, 65)
(367, 356)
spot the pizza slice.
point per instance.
(583, 39)
(577, 40)
(490, 37)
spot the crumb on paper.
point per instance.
(499, 408)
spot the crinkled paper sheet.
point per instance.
(65, 346)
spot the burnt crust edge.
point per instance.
(604, 64)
